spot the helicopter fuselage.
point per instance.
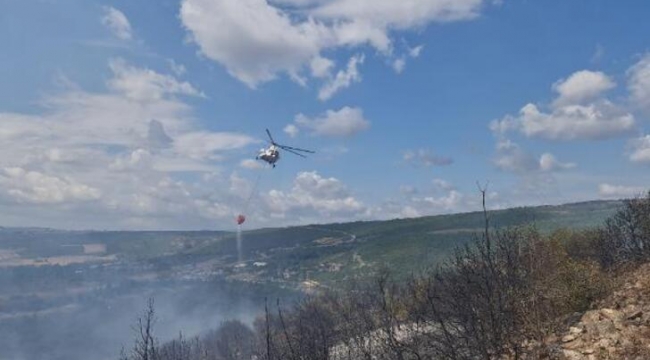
(270, 155)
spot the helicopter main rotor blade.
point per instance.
(293, 152)
(296, 149)
(270, 137)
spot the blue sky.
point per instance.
(148, 114)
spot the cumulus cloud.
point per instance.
(399, 64)
(345, 122)
(641, 149)
(619, 191)
(251, 164)
(178, 69)
(548, 162)
(444, 185)
(403, 14)
(253, 39)
(582, 85)
(117, 22)
(112, 159)
(343, 79)
(511, 157)
(442, 198)
(291, 130)
(426, 158)
(595, 121)
(207, 145)
(256, 40)
(312, 195)
(639, 82)
(578, 113)
(136, 160)
(447, 202)
(38, 188)
(144, 84)
(321, 67)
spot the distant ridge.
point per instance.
(579, 204)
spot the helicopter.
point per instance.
(272, 154)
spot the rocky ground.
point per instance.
(617, 328)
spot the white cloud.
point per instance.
(255, 40)
(578, 113)
(321, 67)
(313, 195)
(117, 22)
(38, 188)
(444, 185)
(297, 3)
(639, 82)
(144, 84)
(399, 64)
(251, 164)
(426, 158)
(111, 159)
(345, 122)
(596, 121)
(641, 152)
(511, 157)
(292, 130)
(582, 85)
(548, 162)
(443, 198)
(620, 191)
(137, 159)
(448, 202)
(206, 145)
(416, 51)
(178, 69)
(343, 79)
(400, 14)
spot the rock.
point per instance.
(603, 343)
(590, 316)
(588, 351)
(550, 339)
(574, 345)
(634, 315)
(618, 325)
(572, 355)
(575, 330)
(611, 314)
(600, 328)
(568, 338)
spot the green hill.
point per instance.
(326, 253)
(335, 252)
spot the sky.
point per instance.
(142, 114)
